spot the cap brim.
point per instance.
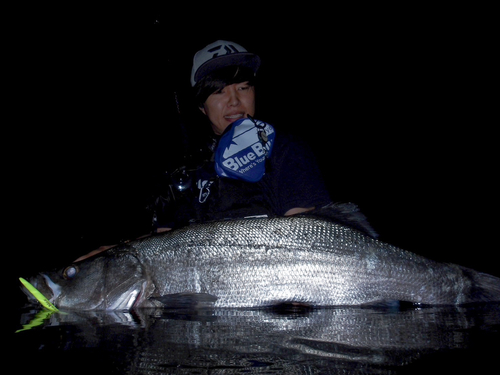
(245, 59)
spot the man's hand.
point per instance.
(297, 210)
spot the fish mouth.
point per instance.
(31, 289)
(45, 286)
(31, 297)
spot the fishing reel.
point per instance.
(181, 179)
(172, 202)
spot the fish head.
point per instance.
(115, 280)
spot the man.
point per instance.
(284, 181)
(287, 180)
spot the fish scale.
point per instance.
(266, 261)
(252, 263)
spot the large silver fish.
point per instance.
(308, 260)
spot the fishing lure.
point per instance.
(39, 296)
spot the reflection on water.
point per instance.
(323, 341)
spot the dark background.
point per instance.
(394, 103)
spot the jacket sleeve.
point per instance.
(296, 178)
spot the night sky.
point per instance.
(394, 107)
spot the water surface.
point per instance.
(223, 341)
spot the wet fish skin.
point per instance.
(307, 260)
(261, 262)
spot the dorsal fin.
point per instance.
(346, 214)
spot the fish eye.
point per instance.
(70, 272)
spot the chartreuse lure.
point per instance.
(39, 296)
(38, 320)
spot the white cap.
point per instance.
(220, 54)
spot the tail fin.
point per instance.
(484, 288)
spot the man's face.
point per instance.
(229, 105)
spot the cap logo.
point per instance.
(219, 54)
(229, 48)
